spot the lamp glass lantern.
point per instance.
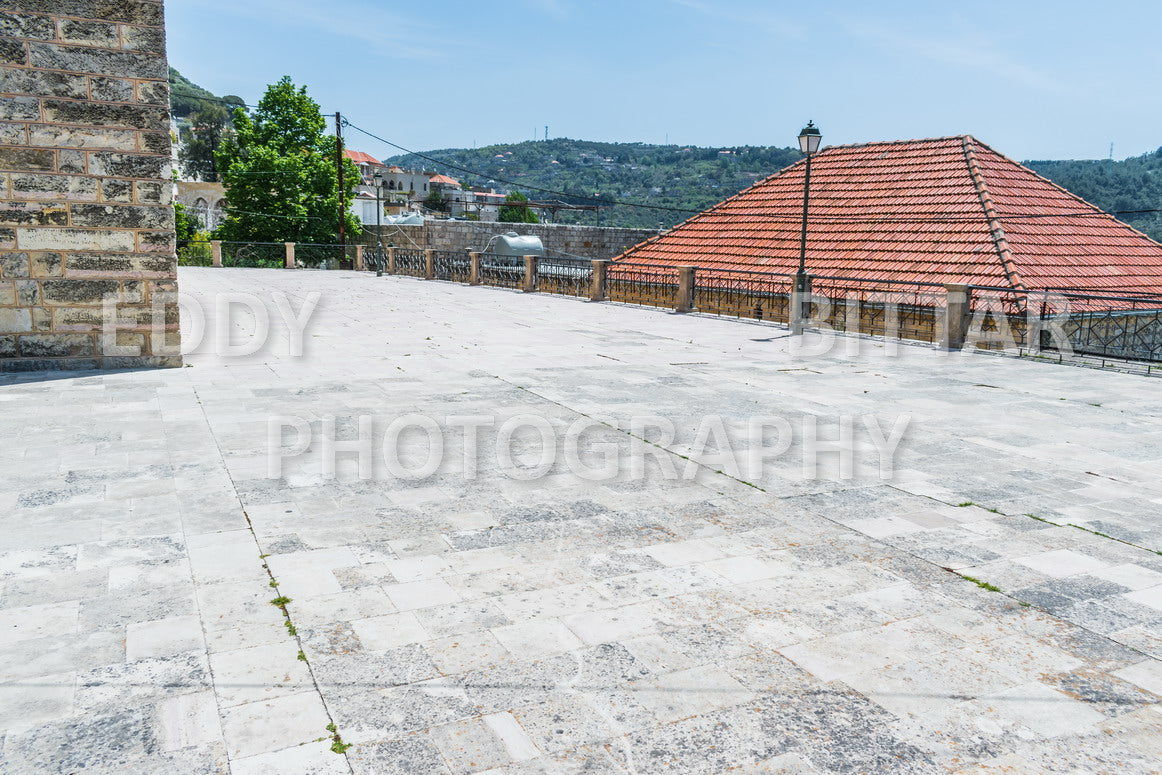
(809, 138)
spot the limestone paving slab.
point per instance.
(785, 621)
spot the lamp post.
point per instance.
(379, 258)
(809, 139)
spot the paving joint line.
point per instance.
(331, 727)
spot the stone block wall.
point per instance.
(85, 193)
(582, 241)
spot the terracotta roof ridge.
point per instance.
(996, 230)
(913, 141)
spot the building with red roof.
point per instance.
(361, 158)
(946, 210)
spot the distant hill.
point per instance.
(694, 178)
(185, 96)
(686, 177)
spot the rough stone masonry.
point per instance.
(86, 223)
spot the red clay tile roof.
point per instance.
(359, 157)
(443, 179)
(949, 209)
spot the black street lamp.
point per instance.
(809, 139)
(379, 257)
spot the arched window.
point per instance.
(201, 213)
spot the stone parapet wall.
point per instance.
(85, 193)
(582, 241)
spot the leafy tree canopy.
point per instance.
(209, 125)
(516, 214)
(185, 227)
(279, 172)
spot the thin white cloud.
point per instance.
(381, 32)
(967, 51)
(556, 8)
(772, 22)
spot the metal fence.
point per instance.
(743, 294)
(194, 253)
(410, 262)
(645, 284)
(1106, 325)
(310, 255)
(565, 276)
(896, 309)
(502, 271)
(254, 254)
(453, 265)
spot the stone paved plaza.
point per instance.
(993, 605)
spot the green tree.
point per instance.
(185, 226)
(435, 201)
(278, 168)
(208, 127)
(517, 214)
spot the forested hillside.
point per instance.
(685, 177)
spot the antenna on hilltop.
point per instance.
(1111, 151)
(546, 133)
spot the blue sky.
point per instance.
(1036, 80)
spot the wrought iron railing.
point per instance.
(411, 262)
(453, 265)
(254, 254)
(317, 255)
(194, 253)
(565, 276)
(645, 284)
(896, 309)
(502, 271)
(1000, 318)
(1105, 325)
(743, 294)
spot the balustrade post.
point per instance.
(530, 280)
(215, 252)
(358, 258)
(429, 264)
(391, 260)
(597, 289)
(473, 268)
(957, 314)
(685, 300)
(290, 254)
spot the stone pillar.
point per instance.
(597, 288)
(957, 314)
(88, 272)
(290, 254)
(216, 252)
(685, 300)
(473, 268)
(429, 264)
(530, 281)
(358, 258)
(391, 260)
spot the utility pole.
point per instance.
(342, 194)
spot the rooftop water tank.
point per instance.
(513, 244)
